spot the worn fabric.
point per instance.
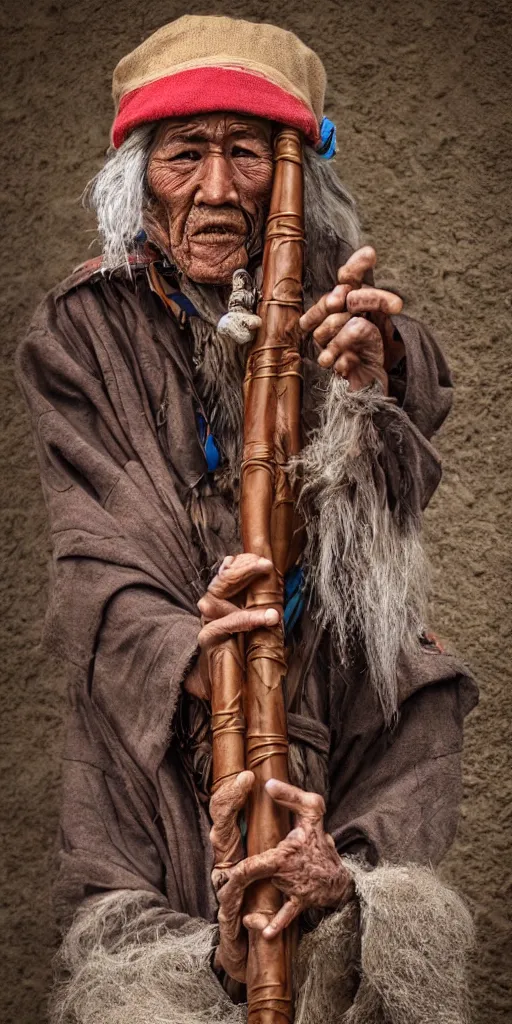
(396, 954)
(206, 63)
(124, 962)
(107, 373)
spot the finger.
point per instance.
(232, 958)
(256, 921)
(225, 835)
(373, 300)
(336, 300)
(353, 271)
(237, 575)
(226, 562)
(356, 334)
(307, 805)
(330, 327)
(346, 364)
(229, 920)
(314, 316)
(252, 869)
(284, 917)
(214, 607)
(241, 621)
(331, 302)
(230, 797)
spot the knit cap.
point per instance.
(201, 64)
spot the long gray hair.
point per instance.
(119, 194)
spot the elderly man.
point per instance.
(133, 372)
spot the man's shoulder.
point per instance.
(94, 271)
(86, 272)
(76, 311)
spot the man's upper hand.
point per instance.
(351, 344)
(222, 617)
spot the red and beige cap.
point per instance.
(200, 64)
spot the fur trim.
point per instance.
(125, 964)
(364, 562)
(415, 937)
(326, 969)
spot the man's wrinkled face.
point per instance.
(211, 177)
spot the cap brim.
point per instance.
(206, 89)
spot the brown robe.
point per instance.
(107, 374)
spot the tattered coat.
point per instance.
(108, 375)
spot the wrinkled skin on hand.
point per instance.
(211, 179)
(304, 866)
(222, 617)
(226, 840)
(358, 348)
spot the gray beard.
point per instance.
(365, 567)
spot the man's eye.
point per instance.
(186, 154)
(242, 151)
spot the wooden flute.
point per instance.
(248, 705)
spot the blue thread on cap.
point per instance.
(327, 146)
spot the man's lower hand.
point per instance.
(225, 806)
(305, 866)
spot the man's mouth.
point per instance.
(216, 232)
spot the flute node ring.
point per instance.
(261, 748)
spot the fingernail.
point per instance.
(271, 617)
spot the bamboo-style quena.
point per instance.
(248, 706)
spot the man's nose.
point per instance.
(217, 187)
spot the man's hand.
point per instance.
(305, 867)
(223, 618)
(353, 345)
(225, 805)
